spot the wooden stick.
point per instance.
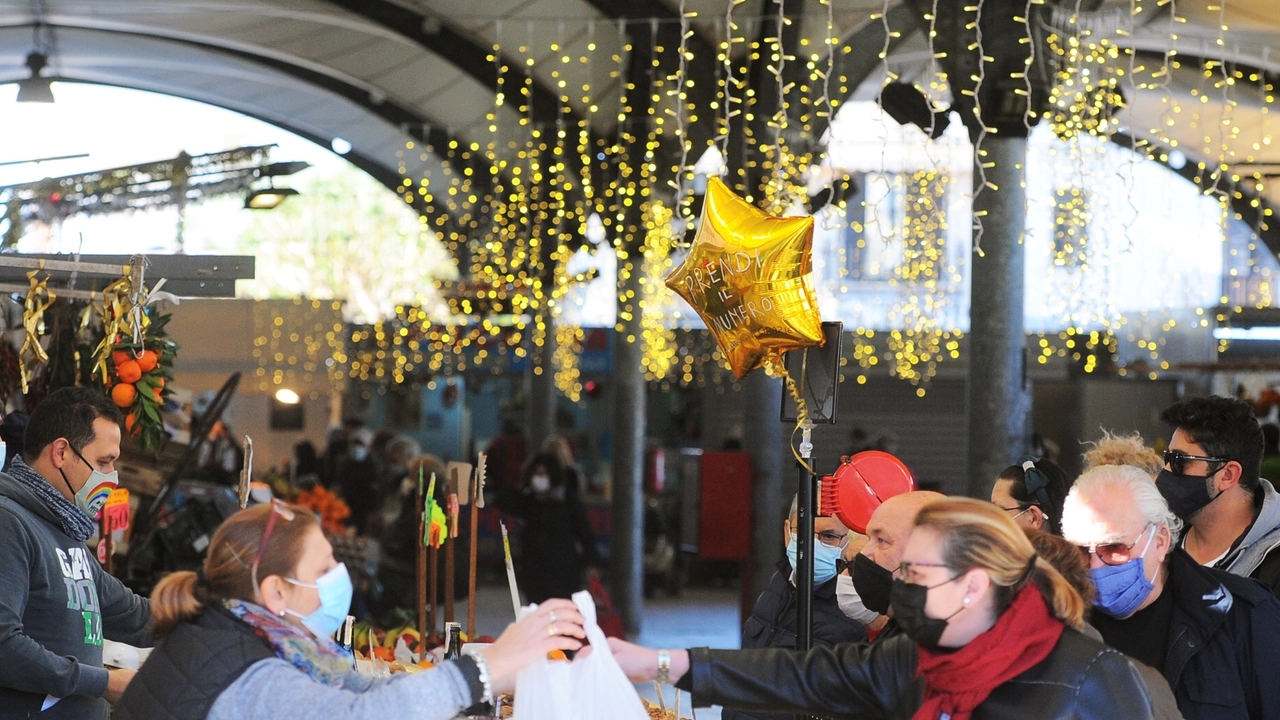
(448, 581)
(421, 585)
(434, 553)
(477, 503)
(471, 574)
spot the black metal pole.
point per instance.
(804, 559)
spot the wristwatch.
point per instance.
(664, 667)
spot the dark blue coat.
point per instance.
(773, 624)
(1224, 643)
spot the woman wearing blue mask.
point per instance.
(249, 637)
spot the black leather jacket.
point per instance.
(1081, 679)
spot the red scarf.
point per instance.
(957, 682)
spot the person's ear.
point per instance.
(272, 591)
(1229, 476)
(1037, 517)
(786, 532)
(59, 450)
(976, 584)
(1163, 542)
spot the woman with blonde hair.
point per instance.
(991, 631)
(249, 637)
(1128, 450)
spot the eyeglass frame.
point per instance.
(846, 538)
(1021, 510)
(905, 567)
(1176, 463)
(276, 510)
(1092, 549)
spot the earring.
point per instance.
(966, 601)
(282, 612)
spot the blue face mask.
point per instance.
(1123, 588)
(335, 601)
(824, 559)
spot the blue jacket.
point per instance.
(773, 624)
(1224, 643)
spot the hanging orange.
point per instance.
(121, 356)
(129, 371)
(123, 395)
(148, 361)
(129, 421)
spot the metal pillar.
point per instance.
(764, 437)
(627, 546)
(999, 400)
(542, 391)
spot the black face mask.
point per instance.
(872, 582)
(908, 611)
(1186, 494)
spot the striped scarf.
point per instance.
(74, 523)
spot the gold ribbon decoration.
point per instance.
(32, 322)
(116, 304)
(775, 367)
(750, 277)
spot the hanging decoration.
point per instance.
(135, 359)
(32, 353)
(750, 277)
(659, 338)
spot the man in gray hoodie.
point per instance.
(56, 604)
(1211, 479)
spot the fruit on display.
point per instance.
(333, 511)
(123, 396)
(135, 375)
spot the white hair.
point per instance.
(1146, 498)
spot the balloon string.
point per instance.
(774, 366)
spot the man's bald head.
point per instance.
(890, 526)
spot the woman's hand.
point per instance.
(536, 635)
(640, 663)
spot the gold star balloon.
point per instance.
(750, 277)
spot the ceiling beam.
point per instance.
(436, 36)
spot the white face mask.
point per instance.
(850, 603)
(540, 483)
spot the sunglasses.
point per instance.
(1177, 461)
(1114, 553)
(277, 510)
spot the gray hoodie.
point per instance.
(1263, 536)
(56, 606)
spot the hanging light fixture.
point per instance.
(37, 88)
(268, 198)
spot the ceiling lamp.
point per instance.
(268, 198)
(35, 89)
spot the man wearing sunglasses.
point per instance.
(1211, 481)
(773, 620)
(56, 603)
(1214, 636)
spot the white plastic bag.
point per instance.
(590, 689)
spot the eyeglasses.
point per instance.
(277, 510)
(1177, 461)
(832, 540)
(904, 569)
(1115, 553)
(1020, 511)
